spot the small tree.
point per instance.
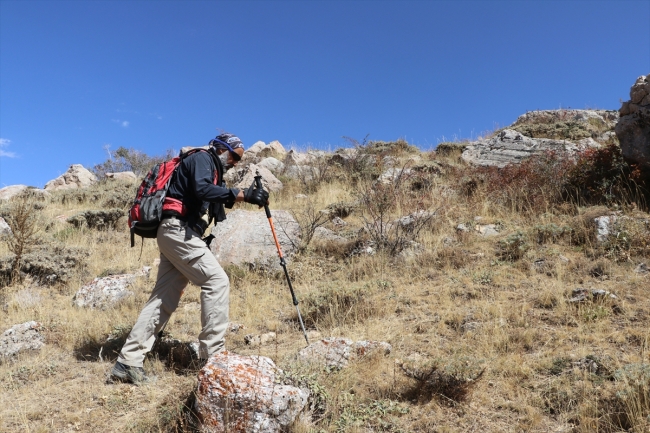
(124, 159)
(24, 221)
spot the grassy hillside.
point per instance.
(484, 334)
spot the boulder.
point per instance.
(123, 175)
(394, 174)
(274, 148)
(4, 227)
(76, 177)
(104, 292)
(245, 239)
(271, 164)
(10, 191)
(633, 128)
(339, 352)
(604, 226)
(326, 235)
(256, 148)
(22, 337)
(296, 158)
(242, 394)
(302, 172)
(512, 147)
(565, 124)
(260, 340)
(242, 178)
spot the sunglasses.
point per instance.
(235, 155)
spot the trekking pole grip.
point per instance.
(258, 184)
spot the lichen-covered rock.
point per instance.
(76, 177)
(104, 292)
(633, 128)
(240, 394)
(274, 148)
(339, 352)
(245, 239)
(22, 337)
(512, 147)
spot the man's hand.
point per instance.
(256, 196)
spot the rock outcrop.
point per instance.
(104, 292)
(20, 338)
(339, 352)
(245, 238)
(512, 147)
(243, 177)
(633, 128)
(571, 125)
(10, 191)
(123, 175)
(76, 177)
(242, 394)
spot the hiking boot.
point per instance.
(126, 373)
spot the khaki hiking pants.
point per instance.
(183, 257)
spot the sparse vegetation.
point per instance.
(485, 330)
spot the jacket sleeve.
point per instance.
(203, 176)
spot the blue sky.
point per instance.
(154, 75)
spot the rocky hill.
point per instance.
(499, 285)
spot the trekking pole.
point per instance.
(283, 263)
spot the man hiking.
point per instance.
(196, 196)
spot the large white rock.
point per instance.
(244, 177)
(4, 227)
(104, 292)
(76, 177)
(272, 164)
(241, 394)
(123, 175)
(256, 148)
(245, 238)
(10, 191)
(22, 337)
(274, 148)
(512, 147)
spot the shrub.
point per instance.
(25, 222)
(124, 159)
(513, 247)
(97, 219)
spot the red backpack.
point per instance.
(146, 212)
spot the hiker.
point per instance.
(196, 196)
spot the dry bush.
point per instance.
(452, 381)
(108, 193)
(124, 159)
(333, 306)
(23, 216)
(308, 219)
(97, 219)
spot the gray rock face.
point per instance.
(512, 147)
(76, 177)
(10, 191)
(241, 394)
(104, 292)
(123, 175)
(22, 337)
(565, 124)
(339, 352)
(243, 178)
(4, 228)
(245, 238)
(272, 164)
(633, 128)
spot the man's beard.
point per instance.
(224, 162)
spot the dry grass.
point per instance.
(484, 336)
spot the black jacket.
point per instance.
(193, 184)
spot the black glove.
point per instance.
(256, 196)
